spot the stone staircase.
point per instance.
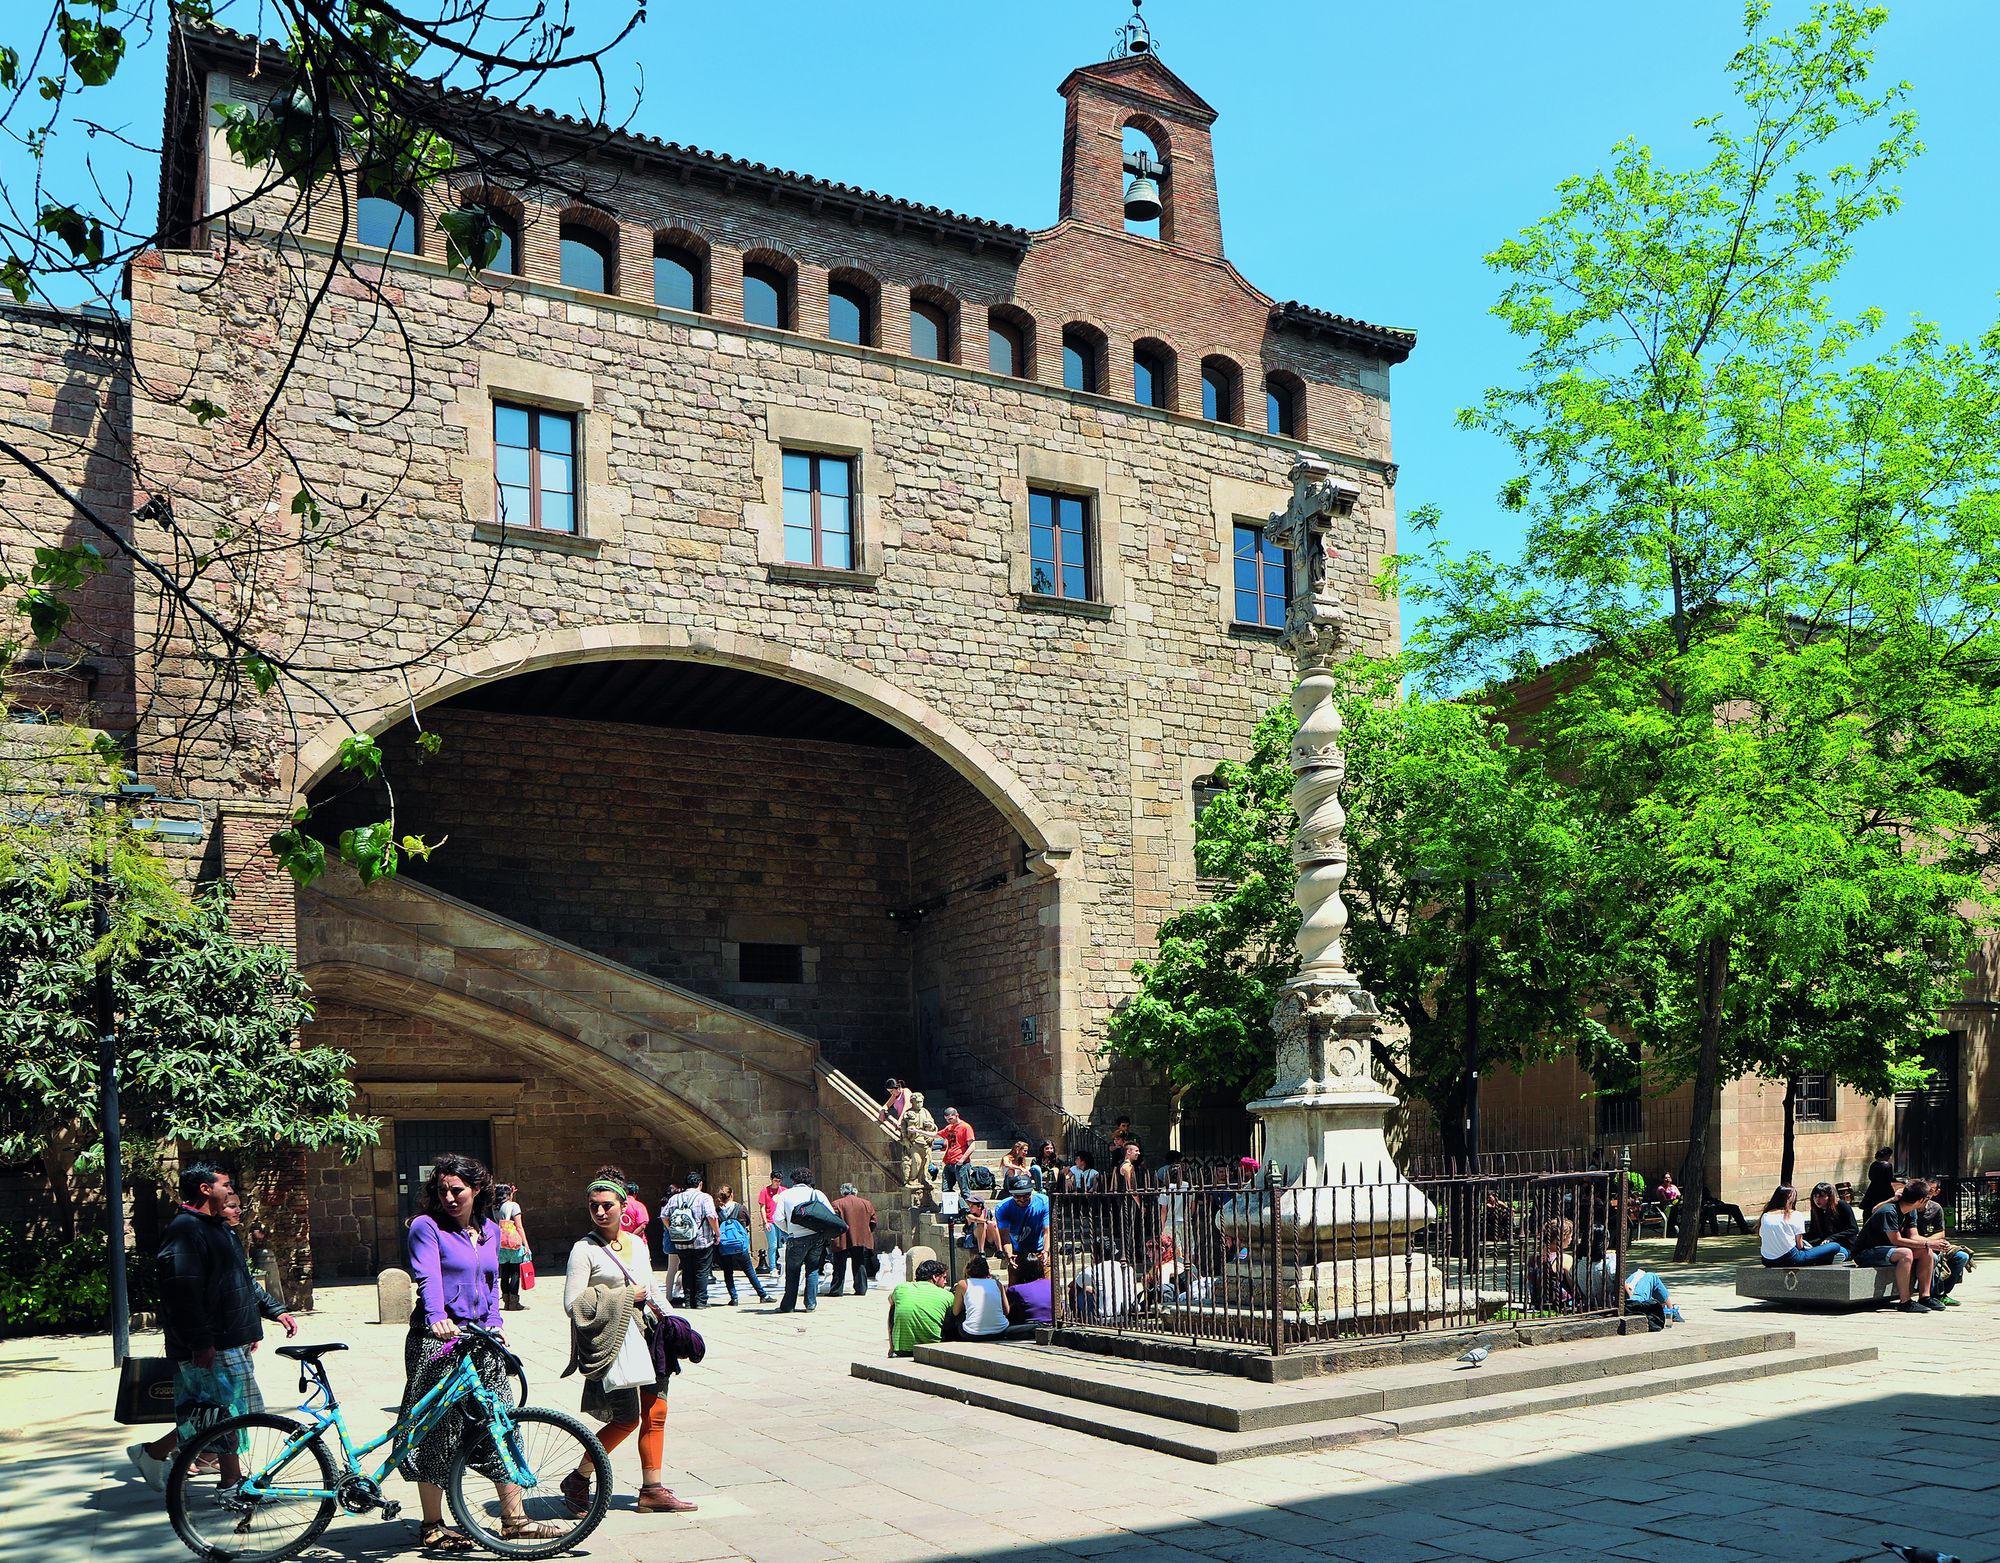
(1196, 1414)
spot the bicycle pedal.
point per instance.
(391, 1510)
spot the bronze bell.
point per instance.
(1142, 200)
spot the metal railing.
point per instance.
(1201, 1256)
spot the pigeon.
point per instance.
(1919, 1554)
(1474, 1357)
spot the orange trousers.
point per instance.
(651, 1428)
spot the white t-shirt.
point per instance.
(1113, 1285)
(798, 1194)
(984, 1312)
(1778, 1233)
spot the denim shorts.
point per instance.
(1870, 1258)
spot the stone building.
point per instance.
(825, 606)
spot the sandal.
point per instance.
(525, 1529)
(442, 1538)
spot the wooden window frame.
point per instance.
(1057, 498)
(816, 457)
(1159, 372)
(1287, 397)
(1017, 344)
(1257, 532)
(534, 521)
(781, 282)
(696, 267)
(866, 306)
(599, 243)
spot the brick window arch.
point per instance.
(1221, 390)
(587, 251)
(1010, 342)
(1285, 404)
(680, 271)
(854, 308)
(933, 325)
(1143, 133)
(1152, 373)
(770, 290)
(392, 222)
(503, 213)
(1084, 350)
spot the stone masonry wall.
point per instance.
(549, 1136)
(67, 393)
(642, 844)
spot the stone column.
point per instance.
(1345, 1213)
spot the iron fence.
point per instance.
(1205, 1255)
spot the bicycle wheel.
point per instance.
(217, 1522)
(547, 1446)
(518, 1378)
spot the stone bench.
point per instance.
(1834, 1286)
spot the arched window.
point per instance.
(388, 223)
(680, 277)
(850, 312)
(1080, 359)
(500, 229)
(1284, 398)
(1144, 159)
(1006, 346)
(1152, 375)
(930, 329)
(1218, 390)
(767, 296)
(589, 259)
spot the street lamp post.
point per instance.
(106, 1022)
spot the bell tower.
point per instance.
(1134, 89)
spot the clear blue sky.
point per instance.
(1368, 155)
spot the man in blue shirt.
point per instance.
(1023, 1220)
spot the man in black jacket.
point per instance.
(211, 1314)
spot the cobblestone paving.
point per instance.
(793, 1461)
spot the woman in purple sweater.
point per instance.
(455, 1261)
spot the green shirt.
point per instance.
(916, 1314)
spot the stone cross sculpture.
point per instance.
(1345, 1213)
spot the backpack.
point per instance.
(980, 1177)
(735, 1237)
(683, 1225)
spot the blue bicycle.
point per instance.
(258, 1487)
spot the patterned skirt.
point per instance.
(426, 1361)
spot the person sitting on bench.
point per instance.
(1952, 1261)
(1888, 1238)
(1832, 1220)
(1781, 1233)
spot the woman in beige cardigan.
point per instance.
(608, 1292)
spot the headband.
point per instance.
(608, 1186)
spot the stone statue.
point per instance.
(919, 1129)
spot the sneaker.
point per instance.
(150, 1466)
(1949, 1302)
(1674, 1316)
(1933, 1304)
(1912, 1306)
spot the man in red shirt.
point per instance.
(956, 1134)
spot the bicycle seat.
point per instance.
(309, 1353)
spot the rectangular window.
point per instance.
(534, 467)
(770, 963)
(1263, 578)
(1814, 1103)
(1059, 545)
(1619, 1112)
(819, 510)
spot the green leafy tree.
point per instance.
(207, 1022)
(1444, 817)
(1770, 546)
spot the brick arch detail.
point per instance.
(1050, 839)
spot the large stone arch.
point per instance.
(1050, 839)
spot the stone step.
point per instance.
(1235, 1404)
(1214, 1446)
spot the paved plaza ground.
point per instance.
(793, 1461)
